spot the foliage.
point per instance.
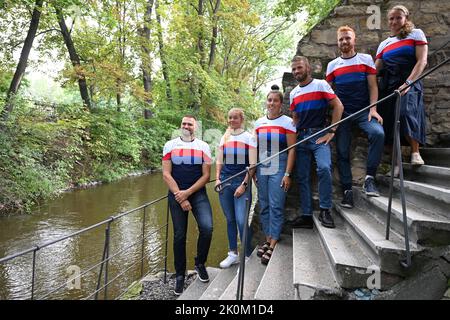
(203, 57)
(316, 9)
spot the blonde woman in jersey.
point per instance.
(237, 151)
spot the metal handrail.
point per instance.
(219, 186)
(106, 257)
(103, 261)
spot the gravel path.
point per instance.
(154, 288)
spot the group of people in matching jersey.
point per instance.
(350, 85)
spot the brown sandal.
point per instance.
(262, 249)
(267, 255)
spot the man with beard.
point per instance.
(354, 78)
(186, 167)
(309, 102)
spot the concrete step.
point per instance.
(422, 195)
(436, 156)
(434, 175)
(352, 268)
(277, 281)
(425, 227)
(254, 271)
(313, 275)
(197, 288)
(370, 234)
(220, 283)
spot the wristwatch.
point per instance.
(287, 174)
(408, 82)
(245, 184)
(332, 130)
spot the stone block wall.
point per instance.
(320, 46)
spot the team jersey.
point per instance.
(187, 159)
(401, 51)
(272, 133)
(349, 76)
(236, 152)
(310, 102)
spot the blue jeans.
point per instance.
(322, 155)
(375, 134)
(271, 196)
(234, 210)
(202, 212)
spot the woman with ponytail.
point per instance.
(400, 60)
(237, 151)
(275, 132)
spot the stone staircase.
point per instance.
(328, 263)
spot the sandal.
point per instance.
(262, 249)
(267, 255)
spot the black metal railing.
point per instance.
(106, 257)
(396, 158)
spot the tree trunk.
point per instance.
(21, 66)
(162, 54)
(74, 58)
(146, 58)
(200, 44)
(215, 30)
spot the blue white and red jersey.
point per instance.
(272, 133)
(187, 159)
(349, 76)
(310, 102)
(235, 150)
(401, 51)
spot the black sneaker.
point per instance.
(370, 188)
(202, 273)
(179, 285)
(326, 219)
(347, 201)
(303, 221)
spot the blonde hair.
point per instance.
(408, 27)
(239, 111)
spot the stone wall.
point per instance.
(433, 17)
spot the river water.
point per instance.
(75, 210)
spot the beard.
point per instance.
(301, 77)
(186, 133)
(346, 49)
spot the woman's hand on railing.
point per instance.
(402, 87)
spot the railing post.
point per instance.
(397, 157)
(108, 238)
(33, 276)
(104, 257)
(143, 244)
(241, 275)
(167, 236)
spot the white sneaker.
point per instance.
(232, 258)
(416, 159)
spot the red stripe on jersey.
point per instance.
(275, 129)
(395, 45)
(168, 156)
(316, 95)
